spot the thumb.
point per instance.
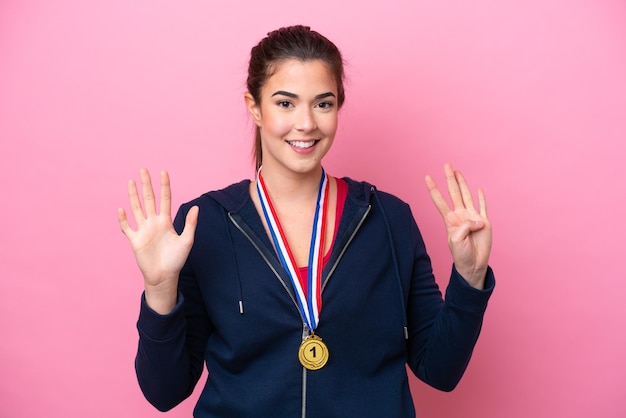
(191, 221)
(466, 228)
(476, 225)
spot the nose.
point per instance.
(306, 120)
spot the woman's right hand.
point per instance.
(159, 250)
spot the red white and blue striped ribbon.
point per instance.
(309, 307)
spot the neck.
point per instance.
(292, 186)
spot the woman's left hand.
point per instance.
(469, 230)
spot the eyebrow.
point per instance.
(295, 96)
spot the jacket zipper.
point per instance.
(305, 330)
(345, 247)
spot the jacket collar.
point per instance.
(234, 197)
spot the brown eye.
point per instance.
(325, 105)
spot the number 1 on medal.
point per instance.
(313, 353)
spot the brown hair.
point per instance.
(293, 42)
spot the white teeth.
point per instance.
(302, 144)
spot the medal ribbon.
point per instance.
(309, 307)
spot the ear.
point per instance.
(253, 108)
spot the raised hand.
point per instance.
(159, 250)
(469, 230)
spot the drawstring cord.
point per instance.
(236, 264)
(395, 263)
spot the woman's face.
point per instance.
(297, 116)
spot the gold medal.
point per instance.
(313, 353)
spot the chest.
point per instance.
(296, 220)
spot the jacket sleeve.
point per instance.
(169, 358)
(442, 332)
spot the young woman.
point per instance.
(305, 294)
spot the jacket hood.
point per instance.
(235, 196)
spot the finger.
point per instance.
(135, 203)
(191, 221)
(482, 203)
(453, 187)
(466, 193)
(121, 217)
(437, 198)
(147, 192)
(166, 194)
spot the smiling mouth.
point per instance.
(303, 144)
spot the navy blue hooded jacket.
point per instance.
(236, 311)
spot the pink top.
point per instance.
(342, 193)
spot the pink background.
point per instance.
(527, 97)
